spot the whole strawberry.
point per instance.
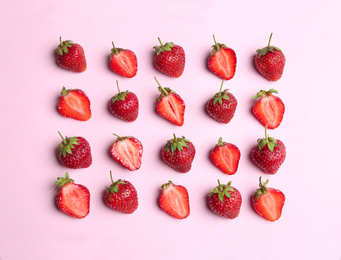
(123, 62)
(222, 106)
(74, 152)
(222, 61)
(121, 196)
(225, 200)
(269, 154)
(72, 199)
(169, 59)
(179, 154)
(124, 105)
(70, 56)
(270, 62)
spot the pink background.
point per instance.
(31, 226)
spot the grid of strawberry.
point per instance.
(224, 200)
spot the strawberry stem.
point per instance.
(175, 139)
(60, 39)
(112, 181)
(64, 141)
(118, 87)
(215, 42)
(161, 89)
(221, 87)
(266, 135)
(113, 45)
(270, 40)
(160, 41)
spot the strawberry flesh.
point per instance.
(226, 158)
(124, 63)
(223, 63)
(172, 108)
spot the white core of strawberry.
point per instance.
(127, 153)
(169, 102)
(175, 200)
(74, 102)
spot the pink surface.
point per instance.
(32, 227)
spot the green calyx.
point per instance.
(162, 48)
(166, 185)
(176, 144)
(67, 145)
(114, 50)
(222, 190)
(270, 142)
(120, 95)
(63, 46)
(113, 188)
(65, 91)
(164, 91)
(264, 93)
(262, 189)
(220, 142)
(121, 138)
(263, 51)
(221, 95)
(61, 181)
(217, 46)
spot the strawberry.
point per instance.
(270, 62)
(174, 200)
(169, 59)
(222, 61)
(170, 105)
(72, 199)
(123, 62)
(74, 152)
(74, 103)
(268, 202)
(222, 106)
(124, 105)
(70, 56)
(226, 157)
(121, 196)
(269, 154)
(127, 151)
(269, 109)
(179, 154)
(225, 200)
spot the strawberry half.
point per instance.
(226, 157)
(268, 202)
(269, 109)
(72, 199)
(127, 151)
(174, 200)
(123, 62)
(222, 61)
(74, 103)
(170, 106)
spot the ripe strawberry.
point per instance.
(225, 200)
(74, 103)
(268, 202)
(226, 157)
(70, 56)
(169, 59)
(269, 109)
(222, 61)
(179, 154)
(170, 106)
(74, 152)
(72, 199)
(124, 105)
(121, 196)
(123, 62)
(127, 151)
(174, 200)
(270, 62)
(222, 106)
(269, 154)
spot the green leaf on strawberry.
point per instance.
(222, 190)
(113, 188)
(61, 181)
(263, 51)
(67, 144)
(176, 144)
(221, 95)
(120, 95)
(167, 47)
(270, 142)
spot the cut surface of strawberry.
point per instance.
(123, 62)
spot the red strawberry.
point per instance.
(169, 59)
(269, 109)
(170, 106)
(226, 157)
(123, 62)
(222, 61)
(72, 199)
(179, 154)
(124, 105)
(174, 200)
(75, 104)
(127, 151)
(70, 56)
(268, 202)
(74, 152)
(222, 106)
(121, 196)
(225, 200)
(269, 154)
(270, 62)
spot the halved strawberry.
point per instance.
(269, 109)
(226, 157)
(75, 104)
(170, 106)
(123, 62)
(127, 151)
